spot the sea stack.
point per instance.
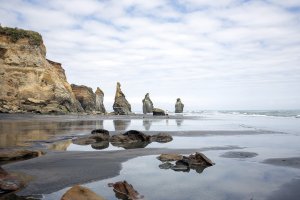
(179, 106)
(147, 104)
(28, 81)
(85, 96)
(99, 100)
(121, 105)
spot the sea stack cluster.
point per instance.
(31, 83)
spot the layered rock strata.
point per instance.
(28, 81)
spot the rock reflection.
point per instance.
(147, 124)
(100, 145)
(179, 122)
(121, 125)
(132, 145)
(99, 124)
(61, 145)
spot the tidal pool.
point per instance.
(234, 179)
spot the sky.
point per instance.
(225, 54)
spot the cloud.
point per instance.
(229, 54)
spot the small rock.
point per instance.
(169, 157)
(8, 183)
(123, 190)
(78, 192)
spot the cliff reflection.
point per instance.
(147, 124)
(179, 122)
(19, 133)
(121, 125)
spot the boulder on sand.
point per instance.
(100, 135)
(131, 139)
(8, 183)
(169, 157)
(124, 190)
(78, 192)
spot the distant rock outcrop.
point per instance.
(85, 96)
(179, 106)
(99, 100)
(121, 105)
(158, 111)
(147, 104)
(28, 81)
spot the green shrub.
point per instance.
(15, 34)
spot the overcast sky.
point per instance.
(233, 54)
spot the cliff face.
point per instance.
(28, 81)
(85, 96)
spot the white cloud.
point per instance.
(213, 54)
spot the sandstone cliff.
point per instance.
(28, 81)
(121, 105)
(85, 96)
(179, 106)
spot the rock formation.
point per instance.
(28, 81)
(147, 104)
(99, 100)
(121, 105)
(85, 96)
(158, 111)
(179, 106)
(197, 162)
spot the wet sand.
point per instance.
(57, 170)
(284, 162)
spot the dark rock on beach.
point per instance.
(179, 106)
(100, 134)
(8, 183)
(158, 111)
(121, 105)
(169, 157)
(147, 104)
(197, 162)
(124, 190)
(131, 139)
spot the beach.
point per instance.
(256, 154)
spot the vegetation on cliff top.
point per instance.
(15, 34)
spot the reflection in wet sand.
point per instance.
(121, 125)
(61, 145)
(179, 122)
(147, 124)
(19, 133)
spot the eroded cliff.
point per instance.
(28, 81)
